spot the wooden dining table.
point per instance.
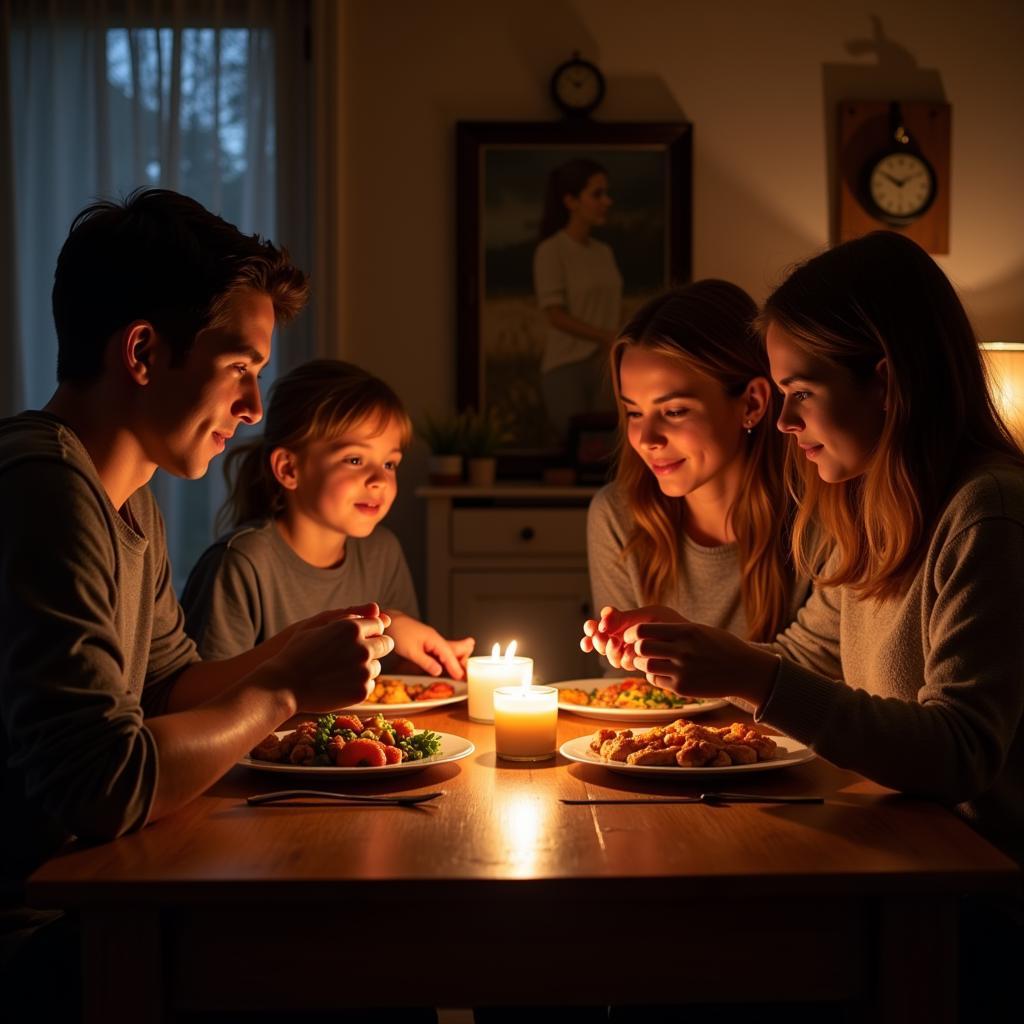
(499, 893)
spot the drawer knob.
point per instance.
(527, 533)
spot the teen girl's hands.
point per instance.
(604, 635)
(330, 660)
(427, 649)
(700, 661)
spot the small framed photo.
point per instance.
(564, 230)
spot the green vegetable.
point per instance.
(420, 745)
(324, 725)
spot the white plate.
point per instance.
(453, 748)
(402, 710)
(790, 752)
(629, 714)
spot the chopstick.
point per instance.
(299, 795)
(704, 798)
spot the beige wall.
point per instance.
(758, 80)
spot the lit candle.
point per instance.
(525, 722)
(483, 674)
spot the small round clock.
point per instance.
(899, 186)
(577, 87)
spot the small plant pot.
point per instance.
(482, 470)
(444, 470)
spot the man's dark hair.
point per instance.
(162, 257)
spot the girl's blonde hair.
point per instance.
(883, 297)
(319, 400)
(707, 327)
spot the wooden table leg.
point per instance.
(122, 966)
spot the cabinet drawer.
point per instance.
(519, 531)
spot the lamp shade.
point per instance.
(1004, 361)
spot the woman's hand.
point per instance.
(700, 661)
(679, 655)
(427, 649)
(604, 635)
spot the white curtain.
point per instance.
(99, 98)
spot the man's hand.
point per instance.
(330, 660)
(427, 649)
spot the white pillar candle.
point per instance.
(525, 722)
(484, 673)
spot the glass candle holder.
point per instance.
(525, 722)
(485, 673)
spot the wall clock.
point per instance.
(577, 87)
(894, 170)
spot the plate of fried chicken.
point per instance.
(685, 748)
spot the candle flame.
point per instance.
(496, 651)
(510, 651)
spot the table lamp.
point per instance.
(1004, 361)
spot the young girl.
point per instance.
(579, 289)
(696, 519)
(909, 473)
(303, 515)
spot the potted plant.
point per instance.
(444, 437)
(483, 434)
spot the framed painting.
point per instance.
(564, 230)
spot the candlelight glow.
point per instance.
(484, 674)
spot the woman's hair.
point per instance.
(707, 327)
(568, 179)
(319, 400)
(883, 297)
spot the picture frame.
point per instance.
(502, 170)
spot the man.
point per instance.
(164, 315)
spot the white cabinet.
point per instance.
(509, 562)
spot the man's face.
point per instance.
(192, 410)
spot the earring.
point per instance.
(750, 429)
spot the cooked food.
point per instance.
(628, 693)
(346, 741)
(687, 745)
(401, 691)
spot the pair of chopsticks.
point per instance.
(703, 798)
(305, 797)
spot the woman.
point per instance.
(909, 472)
(695, 519)
(579, 288)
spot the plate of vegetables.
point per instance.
(347, 744)
(628, 700)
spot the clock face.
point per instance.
(578, 86)
(901, 186)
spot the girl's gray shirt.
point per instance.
(250, 584)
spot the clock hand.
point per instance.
(895, 181)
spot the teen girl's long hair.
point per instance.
(319, 400)
(707, 327)
(883, 297)
(568, 179)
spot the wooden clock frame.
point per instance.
(864, 134)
